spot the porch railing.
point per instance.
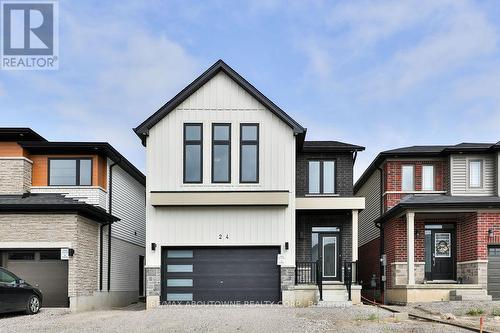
(350, 275)
(309, 272)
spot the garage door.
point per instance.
(44, 270)
(494, 272)
(224, 274)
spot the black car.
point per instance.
(17, 295)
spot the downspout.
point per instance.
(101, 255)
(380, 226)
(109, 228)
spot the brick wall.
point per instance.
(15, 175)
(393, 178)
(344, 169)
(473, 239)
(369, 262)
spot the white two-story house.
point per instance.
(239, 206)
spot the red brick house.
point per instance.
(431, 227)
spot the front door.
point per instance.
(440, 253)
(329, 255)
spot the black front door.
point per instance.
(440, 254)
(329, 255)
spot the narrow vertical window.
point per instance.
(221, 153)
(408, 180)
(193, 153)
(249, 153)
(475, 173)
(428, 178)
(314, 177)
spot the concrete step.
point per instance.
(469, 295)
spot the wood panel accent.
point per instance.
(11, 149)
(40, 168)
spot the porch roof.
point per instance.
(415, 202)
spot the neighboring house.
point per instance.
(240, 207)
(432, 223)
(58, 201)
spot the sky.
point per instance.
(381, 74)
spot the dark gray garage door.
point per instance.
(42, 269)
(223, 274)
(494, 272)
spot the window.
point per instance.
(475, 173)
(21, 255)
(50, 255)
(7, 278)
(321, 177)
(179, 253)
(70, 171)
(408, 181)
(249, 153)
(428, 178)
(221, 153)
(193, 154)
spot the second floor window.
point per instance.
(428, 178)
(321, 177)
(475, 173)
(408, 178)
(221, 153)
(70, 172)
(193, 153)
(249, 153)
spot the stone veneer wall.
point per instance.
(153, 281)
(287, 278)
(473, 272)
(399, 275)
(15, 175)
(79, 231)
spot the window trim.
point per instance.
(220, 143)
(192, 142)
(433, 177)
(77, 175)
(321, 175)
(481, 173)
(250, 142)
(414, 176)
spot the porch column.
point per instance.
(354, 235)
(410, 246)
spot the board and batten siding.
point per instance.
(220, 100)
(459, 169)
(371, 191)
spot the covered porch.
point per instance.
(437, 253)
(327, 250)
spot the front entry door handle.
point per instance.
(433, 260)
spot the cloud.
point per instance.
(113, 74)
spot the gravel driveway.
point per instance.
(274, 319)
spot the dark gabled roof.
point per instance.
(19, 134)
(143, 129)
(424, 151)
(329, 146)
(439, 202)
(103, 148)
(54, 203)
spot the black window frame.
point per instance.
(77, 174)
(250, 142)
(221, 143)
(192, 142)
(321, 176)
